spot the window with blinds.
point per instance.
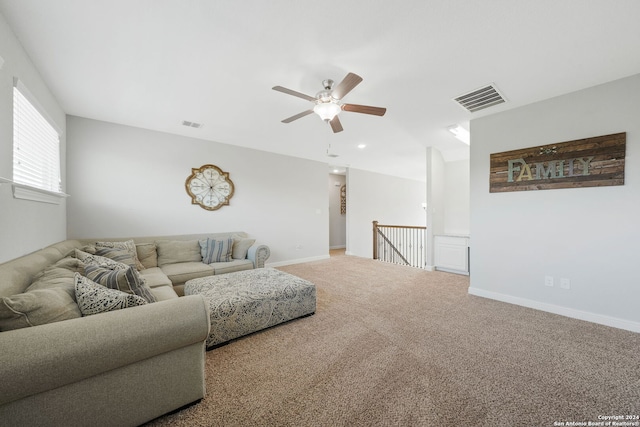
(36, 145)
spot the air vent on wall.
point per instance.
(479, 99)
(192, 124)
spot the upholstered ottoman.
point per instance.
(247, 301)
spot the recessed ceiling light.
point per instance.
(461, 133)
(361, 146)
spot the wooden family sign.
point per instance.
(590, 162)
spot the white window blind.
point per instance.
(36, 145)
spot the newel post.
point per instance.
(375, 239)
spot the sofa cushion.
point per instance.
(36, 307)
(128, 245)
(175, 251)
(69, 263)
(127, 280)
(58, 275)
(181, 272)
(164, 292)
(93, 298)
(147, 254)
(18, 274)
(241, 247)
(216, 250)
(160, 285)
(154, 276)
(230, 267)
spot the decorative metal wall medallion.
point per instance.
(209, 187)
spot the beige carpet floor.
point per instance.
(398, 346)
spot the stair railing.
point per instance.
(400, 244)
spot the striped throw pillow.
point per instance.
(118, 255)
(213, 250)
(127, 280)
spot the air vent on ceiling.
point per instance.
(192, 124)
(479, 99)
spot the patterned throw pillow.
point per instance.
(93, 298)
(128, 246)
(125, 280)
(98, 260)
(216, 250)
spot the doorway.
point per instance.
(337, 213)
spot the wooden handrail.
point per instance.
(419, 227)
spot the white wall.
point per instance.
(25, 226)
(435, 197)
(456, 197)
(337, 220)
(383, 198)
(127, 181)
(589, 235)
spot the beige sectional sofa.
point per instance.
(122, 367)
(173, 260)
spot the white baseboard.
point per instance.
(337, 247)
(296, 261)
(556, 309)
(450, 270)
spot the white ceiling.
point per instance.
(155, 63)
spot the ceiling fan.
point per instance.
(327, 102)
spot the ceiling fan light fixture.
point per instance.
(327, 110)
(327, 103)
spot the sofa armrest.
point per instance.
(44, 357)
(258, 254)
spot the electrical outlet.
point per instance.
(565, 283)
(548, 281)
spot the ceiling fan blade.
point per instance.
(297, 116)
(336, 126)
(364, 109)
(294, 93)
(346, 85)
